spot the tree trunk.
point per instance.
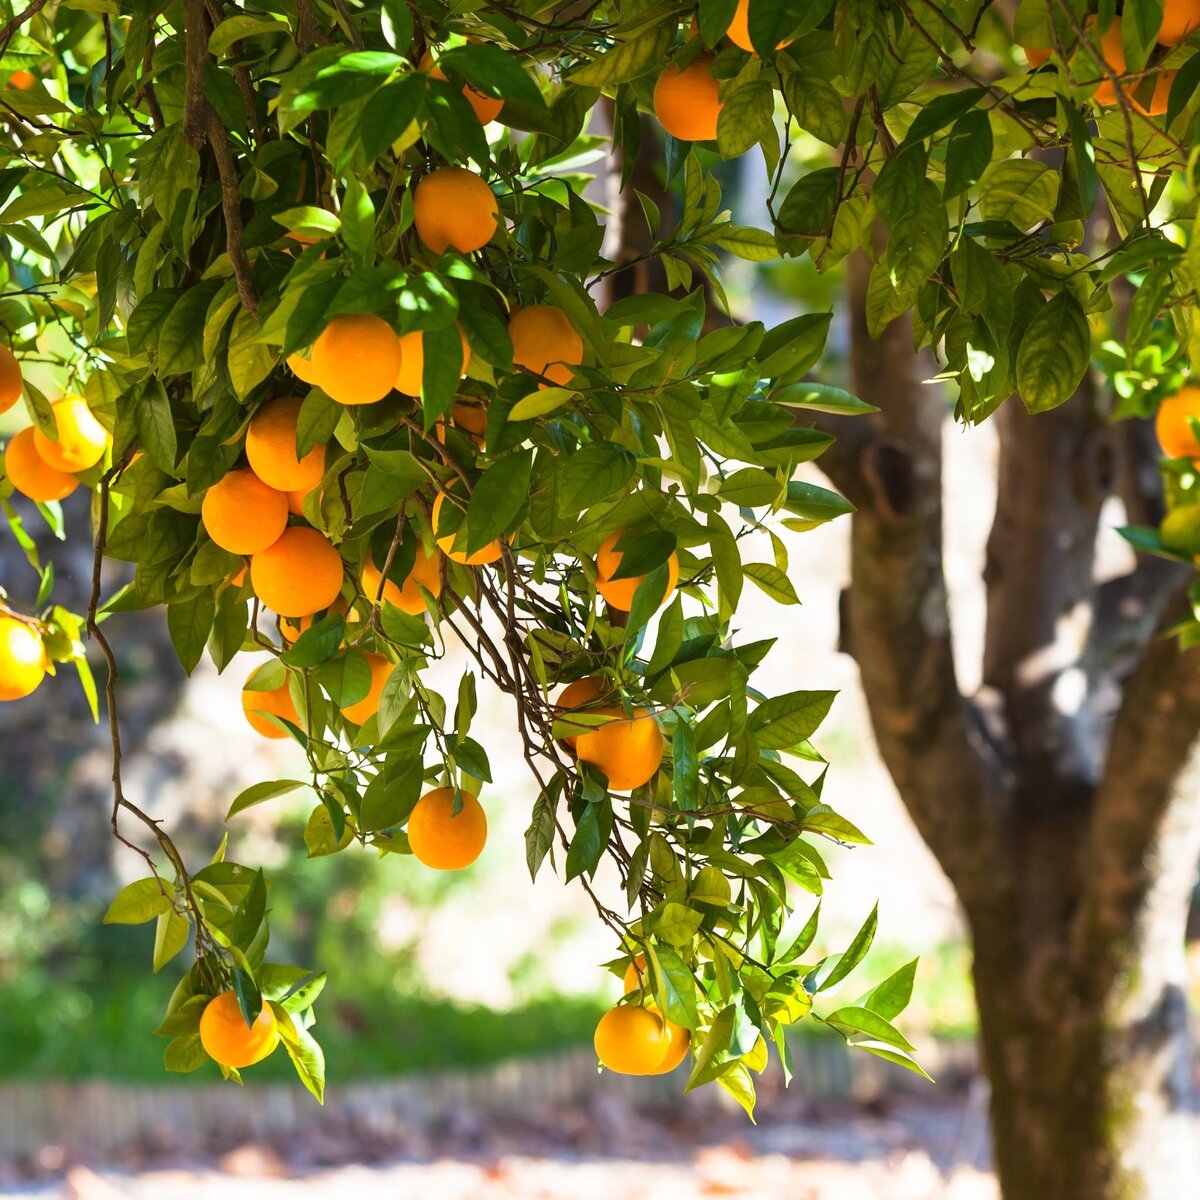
(1060, 801)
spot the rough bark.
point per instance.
(1061, 800)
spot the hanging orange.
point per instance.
(31, 475)
(228, 1040)
(619, 593)
(453, 207)
(243, 515)
(277, 702)
(356, 358)
(271, 448)
(687, 102)
(299, 574)
(443, 839)
(545, 342)
(82, 440)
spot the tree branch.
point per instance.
(897, 621)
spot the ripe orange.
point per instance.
(619, 593)
(299, 574)
(1175, 435)
(686, 102)
(1180, 18)
(442, 840)
(22, 659)
(303, 369)
(22, 80)
(454, 207)
(228, 1040)
(484, 555)
(82, 440)
(356, 358)
(11, 381)
(486, 108)
(628, 750)
(30, 475)
(412, 362)
(1037, 56)
(1113, 51)
(243, 515)
(295, 501)
(545, 342)
(739, 28)
(368, 706)
(426, 573)
(271, 448)
(631, 1040)
(678, 1039)
(583, 693)
(290, 630)
(1160, 96)
(469, 417)
(239, 576)
(277, 702)
(635, 975)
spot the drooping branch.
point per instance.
(896, 616)
(27, 14)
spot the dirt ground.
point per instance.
(912, 1151)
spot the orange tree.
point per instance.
(326, 274)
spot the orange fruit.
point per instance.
(678, 1042)
(303, 369)
(1112, 49)
(412, 362)
(454, 207)
(22, 80)
(1159, 97)
(368, 706)
(297, 575)
(243, 515)
(1175, 435)
(471, 418)
(426, 573)
(30, 475)
(635, 975)
(1180, 18)
(583, 693)
(82, 440)
(238, 578)
(277, 702)
(22, 658)
(356, 358)
(290, 630)
(628, 750)
(481, 557)
(631, 1040)
(739, 28)
(442, 840)
(619, 593)
(271, 448)
(1036, 56)
(11, 381)
(486, 108)
(228, 1040)
(545, 342)
(295, 500)
(686, 102)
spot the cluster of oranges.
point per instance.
(636, 1039)
(1181, 18)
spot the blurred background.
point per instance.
(458, 1018)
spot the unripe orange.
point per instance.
(243, 515)
(687, 102)
(486, 108)
(412, 362)
(228, 1040)
(278, 702)
(299, 574)
(82, 440)
(628, 750)
(22, 659)
(545, 342)
(631, 1040)
(481, 557)
(356, 358)
(30, 475)
(364, 709)
(619, 593)
(453, 207)
(11, 381)
(442, 839)
(1175, 434)
(271, 448)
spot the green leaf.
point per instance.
(822, 397)
(330, 76)
(539, 403)
(816, 106)
(627, 60)
(890, 998)
(854, 953)
(1054, 354)
(851, 1020)
(258, 792)
(189, 623)
(171, 934)
(674, 922)
(492, 71)
(746, 117)
(499, 496)
(136, 903)
(784, 721)
(769, 579)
